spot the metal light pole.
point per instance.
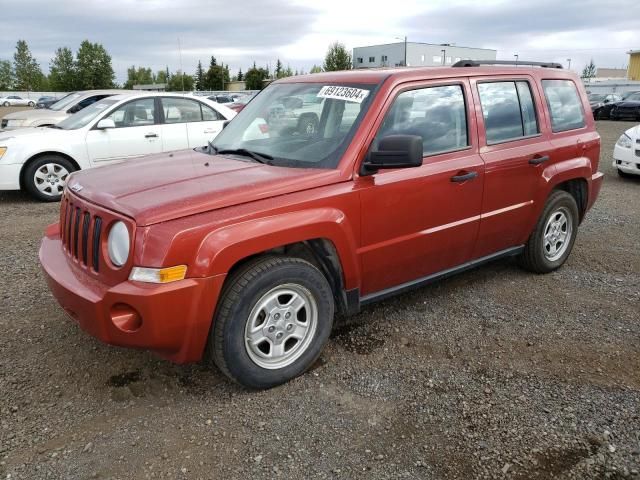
(405, 49)
(517, 56)
(569, 67)
(444, 55)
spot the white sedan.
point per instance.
(111, 130)
(626, 153)
(16, 101)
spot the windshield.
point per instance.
(84, 116)
(596, 97)
(306, 125)
(64, 101)
(633, 97)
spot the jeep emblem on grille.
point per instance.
(76, 187)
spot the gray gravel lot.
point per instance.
(495, 373)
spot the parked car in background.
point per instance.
(627, 109)
(110, 130)
(220, 98)
(626, 153)
(604, 111)
(241, 253)
(16, 101)
(239, 101)
(63, 108)
(599, 100)
(46, 102)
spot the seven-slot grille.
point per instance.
(80, 232)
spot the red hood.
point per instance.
(163, 187)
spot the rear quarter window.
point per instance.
(565, 106)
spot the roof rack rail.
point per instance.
(477, 63)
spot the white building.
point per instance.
(415, 54)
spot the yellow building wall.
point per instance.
(634, 67)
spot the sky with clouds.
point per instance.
(146, 32)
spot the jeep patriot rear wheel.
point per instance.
(273, 319)
(552, 239)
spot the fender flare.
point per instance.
(220, 250)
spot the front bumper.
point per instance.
(172, 320)
(10, 176)
(627, 160)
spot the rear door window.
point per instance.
(565, 106)
(508, 111)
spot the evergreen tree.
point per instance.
(28, 75)
(62, 71)
(240, 75)
(199, 76)
(589, 70)
(337, 58)
(279, 72)
(7, 78)
(315, 69)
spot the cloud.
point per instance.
(146, 32)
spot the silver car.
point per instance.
(66, 106)
(16, 101)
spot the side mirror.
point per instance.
(225, 123)
(394, 151)
(105, 123)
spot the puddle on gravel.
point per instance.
(124, 379)
(357, 339)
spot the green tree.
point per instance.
(240, 77)
(199, 76)
(254, 77)
(176, 82)
(589, 70)
(279, 72)
(62, 71)
(7, 78)
(337, 58)
(139, 76)
(93, 67)
(28, 75)
(216, 77)
(161, 76)
(315, 69)
(288, 72)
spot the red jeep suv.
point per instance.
(327, 192)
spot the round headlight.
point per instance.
(118, 244)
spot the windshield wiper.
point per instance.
(258, 157)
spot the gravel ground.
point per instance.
(495, 373)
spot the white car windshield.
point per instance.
(305, 125)
(86, 115)
(64, 101)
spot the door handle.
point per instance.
(538, 159)
(151, 135)
(463, 177)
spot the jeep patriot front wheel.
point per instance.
(273, 319)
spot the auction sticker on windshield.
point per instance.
(348, 94)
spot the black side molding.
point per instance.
(421, 282)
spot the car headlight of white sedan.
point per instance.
(13, 122)
(118, 244)
(624, 141)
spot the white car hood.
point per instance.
(634, 132)
(36, 114)
(22, 134)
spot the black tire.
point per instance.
(31, 104)
(622, 174)
(533, 258)
(241, 294)
(29, 181)
(308, 125)
(6, 104)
